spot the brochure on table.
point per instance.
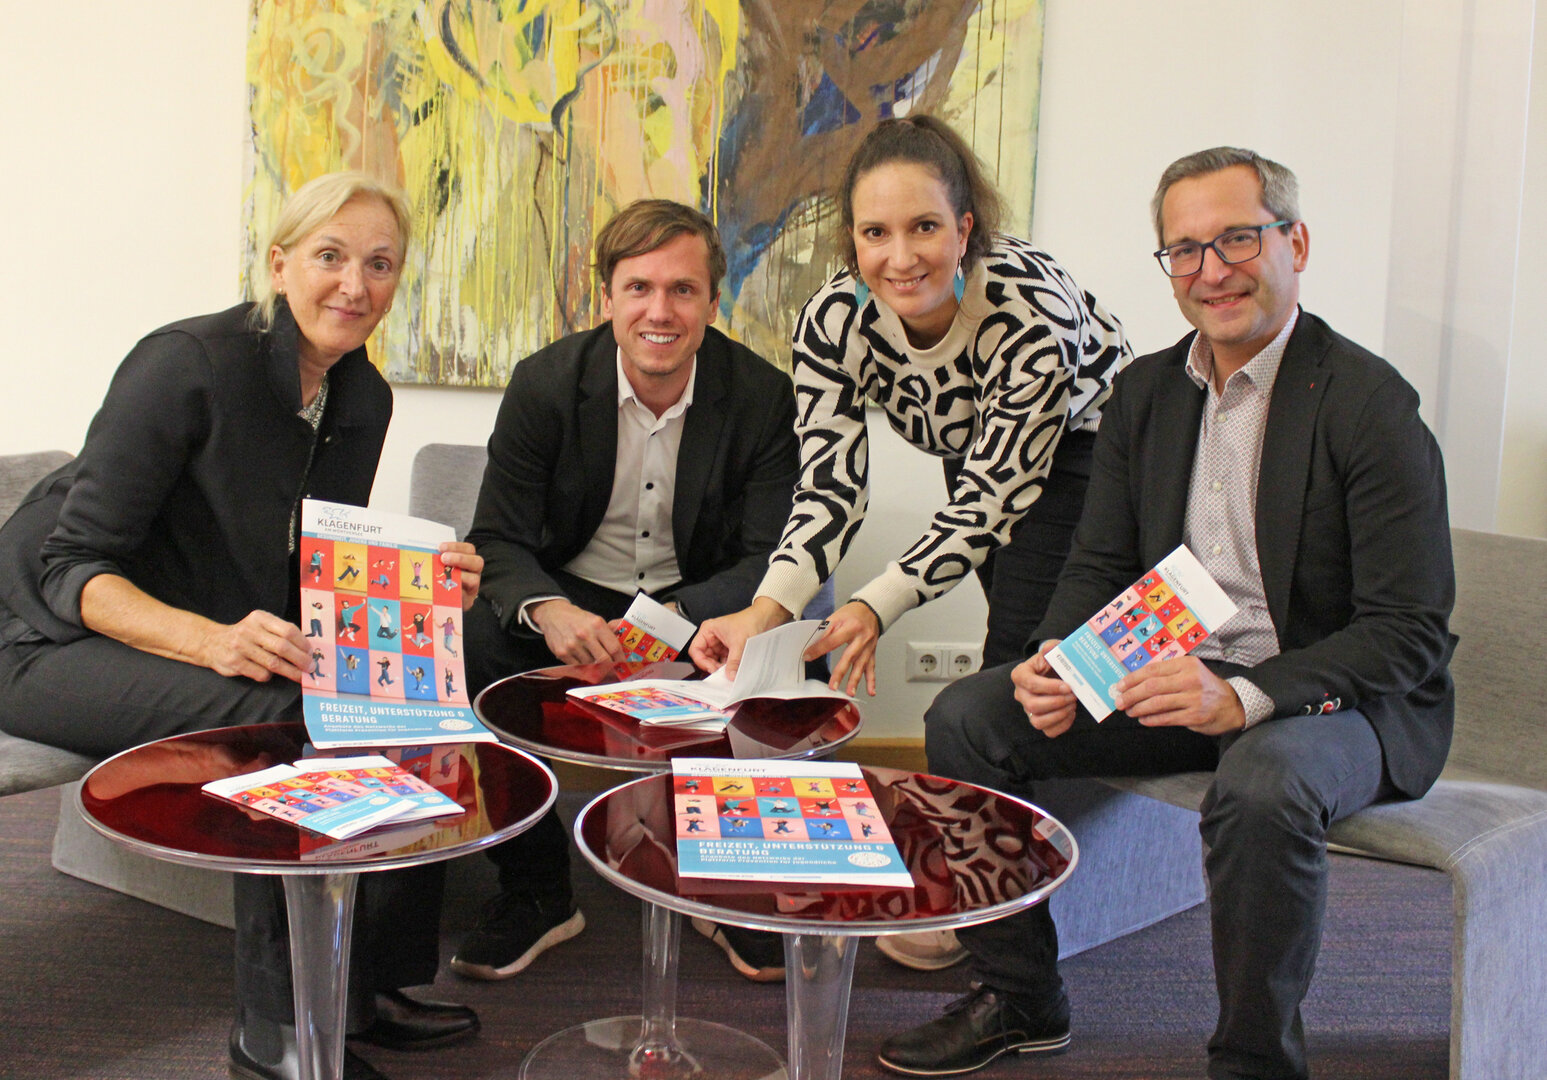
(1163, 615)
(382, 616)
(808, 822)
(772, 666)
(337, 797)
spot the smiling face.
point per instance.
(908, 242)
(339, 280)
(660, 303)
(1240, 308)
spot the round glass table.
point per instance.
(533, 711)
(150, 799)
(974, 854)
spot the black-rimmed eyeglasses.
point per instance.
(1236, 246)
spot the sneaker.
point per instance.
(927, 950)
(977, 1029)
(516, 929)
(757, 954)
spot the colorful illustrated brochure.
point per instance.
(772, 666)
(1163, 615)
(651, 631)
(382, 617)
(337, 797)
(802, 822)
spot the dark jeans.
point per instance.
(1276, 789)
(97, 696)
(1018, 578)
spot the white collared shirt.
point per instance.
(634, 547)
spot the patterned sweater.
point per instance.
(1029, 356)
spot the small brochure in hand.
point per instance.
(650, 631)
(382, 617)
(1162, 616)
(772, 666)
(336, 797)
(800, 822)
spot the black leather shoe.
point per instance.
(403, 1023)
(271, 1055)
(975, 1030)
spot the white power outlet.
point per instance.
(930, 661)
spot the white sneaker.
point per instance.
(926, 950)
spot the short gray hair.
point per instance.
(309, 208)
(1280, 189)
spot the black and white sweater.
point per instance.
(1029, 356)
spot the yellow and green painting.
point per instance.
(518, 127)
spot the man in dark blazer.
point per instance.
(1294, 464)
(650, 454)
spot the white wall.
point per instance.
(123, 175)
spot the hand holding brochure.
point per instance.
(337, 797)
(772, 666)
(805, 822)
(650, 631)
(1162, 616)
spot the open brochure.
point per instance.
(772, 666)
(337, 797)
(804, 822)
(382, 617)
(1163, 615)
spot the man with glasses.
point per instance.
(1295, 466)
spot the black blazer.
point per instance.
(554, 449)
(188, 476)
(1352, 535)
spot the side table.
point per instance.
(975, 855)
(149, 799)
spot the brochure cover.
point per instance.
(772, 666)
(337, 797)
(802, 822)
(1163, 615)
(383, 619)
(650, 631)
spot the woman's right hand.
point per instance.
(720, 642)
(259, 647)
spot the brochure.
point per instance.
(651, 631)
(801, 822)
(383, 620)
(337, 797)
(1163, 615)
(772, 666)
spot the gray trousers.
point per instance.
(1276, 789)
(98, 696)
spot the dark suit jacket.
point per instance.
(1352, 535)
(554, 450)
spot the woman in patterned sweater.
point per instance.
(982, 351)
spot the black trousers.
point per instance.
(1276, 789)
(97, 696)
(1018, 578)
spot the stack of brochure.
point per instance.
(336, 797)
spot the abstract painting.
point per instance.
(517, 127)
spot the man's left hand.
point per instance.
(1181, 693)
(460, 553)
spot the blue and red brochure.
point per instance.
(801, 822)
(1166, 614)
(382, 617)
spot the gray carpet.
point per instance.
(96, 985)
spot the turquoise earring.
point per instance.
(861, 291)
(959, 285)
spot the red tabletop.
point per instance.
(533, 712)
(974, 854)
(150, 798)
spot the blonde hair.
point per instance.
(310, 207)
